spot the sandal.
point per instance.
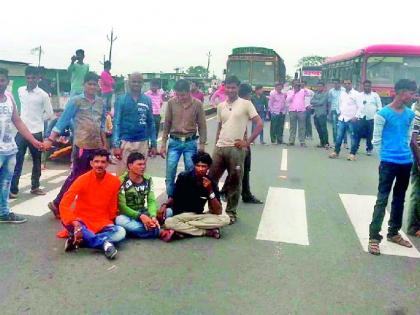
(397, 239)
(54, 210)
(215, 233)
(373, 247)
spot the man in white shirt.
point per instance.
(35, 109)
(349, 109)
(369, 104)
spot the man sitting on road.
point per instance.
(137, 202)
(90, 222)
(192, 190)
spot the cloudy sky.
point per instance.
(161, 35)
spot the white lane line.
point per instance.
(283, 166)
(359, 208)
(58, 180)
(284, 217)
(286, 125)
(37, 205)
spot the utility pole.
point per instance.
(111, 40)
(39, 51)
(208, 63)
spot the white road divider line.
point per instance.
(284, 217)
(283, 166)
(359, 208)
(286, 125)
(37, 205)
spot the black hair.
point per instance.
(182, 86)
(134, 156)
(31, 70)
(320, 82)
(367, 81)
(155, 82)
(258, 87)
(107, 64)
(99, 152)
(244, 90)
(91, 76)
(4, 72)
(81, 51)
(405, 84)
(279, 83)
(58, 110)
(232, 80)
(202, 157)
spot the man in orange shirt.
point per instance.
(90, 223)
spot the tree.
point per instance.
(310, 61)
(197, 71)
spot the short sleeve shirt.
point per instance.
(234, 118)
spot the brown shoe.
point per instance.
(333, 155)
(351, 157)
(38, 192)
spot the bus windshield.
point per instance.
(388, 70)
(263, 73)
(240, 69)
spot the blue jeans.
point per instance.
(7, 166)
(334, 123)
(136, 228)
(176, 148)
(342, 128)
(111, 233)
(261, 133)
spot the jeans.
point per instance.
(176, 148)
(136, 228)
(262, 131)
(107, 97)
(7, 165)
(320, 123)
(277, 127)
(111, 233)
(246, 188)
(297, 120)
(387, 173)
(23, 145)
(308, 124)
(232, 160)
(343, 127)
(157, 119)
(414, 208)
(334, 123)
(80, 165)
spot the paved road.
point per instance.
(300, 253)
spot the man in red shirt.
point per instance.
(90, 222)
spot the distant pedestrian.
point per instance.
(414, 208)
(107, 84)
(309, 111)
(87, 111)
(370, 104)
(218, 96)
(391, 138)
(133, 126)
(297, 112)
(157, 96)
(77, 71)
(260, 102)
(229, 154)
(349, 108)
(183, 117)
(277, 109)
(8, 149)
(35, 108)
(195, 92)
(319, 103)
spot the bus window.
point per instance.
(263, 72)
(241, 69)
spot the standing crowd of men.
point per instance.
(98, 209)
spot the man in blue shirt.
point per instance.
(133, 123)
(334, 107)
(391, 138)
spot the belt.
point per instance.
(184, 139)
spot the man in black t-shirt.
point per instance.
(192, 191)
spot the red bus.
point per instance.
(384, 65)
